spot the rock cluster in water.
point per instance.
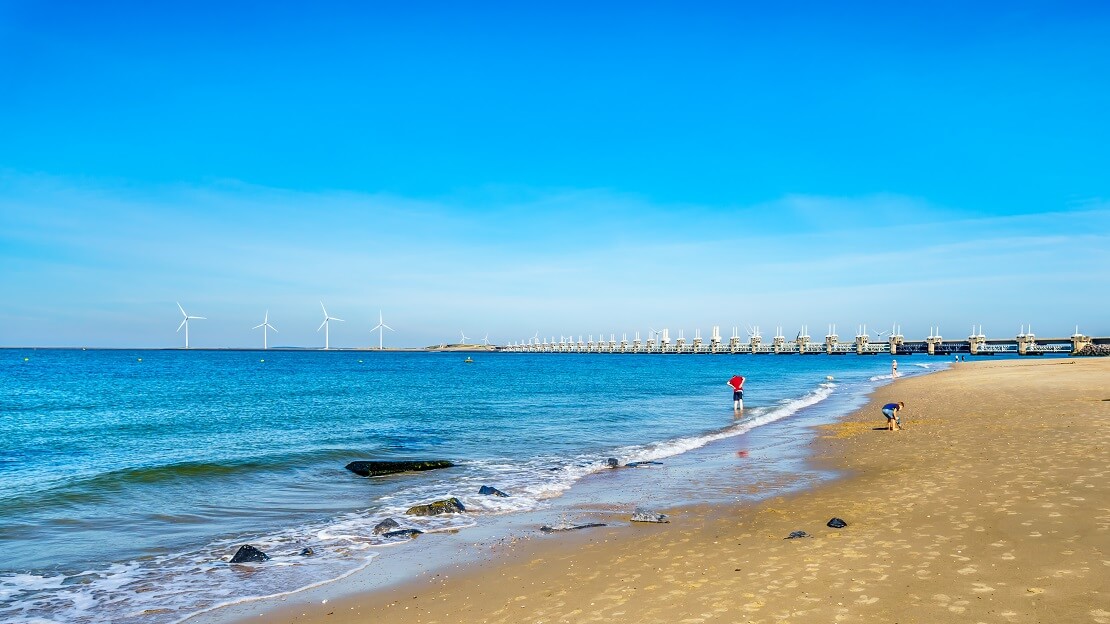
(837, 523)
(569, 527)
(647, 515)
(450, 505)
(248, 554)
(378, 468)
(385, 526)
(1095, 350)
(492, 491)
(404, 533)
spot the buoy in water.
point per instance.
(140, 359)
(468, 361)
(828, 377)
(26, 359)
(261, 360)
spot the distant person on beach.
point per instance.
(893, 420)
(737, 385)
(893, 369)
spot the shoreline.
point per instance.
(778, 463)
(731, 562)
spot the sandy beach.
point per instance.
(991, 506)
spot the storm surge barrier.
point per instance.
(892, 343)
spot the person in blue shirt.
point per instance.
(893, 420)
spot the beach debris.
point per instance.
(613, 462)
(569, 527)
(837, 523)
(646, 515)
(307, 551)
(797, 534)
(449, 505)
(248, 554)
(404, 533)
(389, 524)
(492, 491)
(378, 468)
(643, 463)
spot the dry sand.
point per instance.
(992, 506)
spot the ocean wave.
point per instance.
(70, 490)
(755, 417)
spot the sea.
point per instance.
(128, 479)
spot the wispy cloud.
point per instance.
(511, 261)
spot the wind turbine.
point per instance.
(381, 327)
(486, 340)
(326, 325)
(185, 322)
(463, 334)
(266, 326)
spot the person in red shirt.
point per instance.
(737, 385)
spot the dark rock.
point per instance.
(570, 527)
(796, 535)
(377, 468)
(404, 533)
(247, 554)
(307, 552)
(613, 462)
(837, 523)
(450, 505)
(492, 491)
(386, 525)
(643, 463)
(647, 515)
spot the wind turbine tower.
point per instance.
(185, 322)
(381, 327)
(326, 326)
(266, 327)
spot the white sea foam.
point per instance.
(755, 417)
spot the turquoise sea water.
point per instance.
(130, 477)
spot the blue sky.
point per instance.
(570, 169)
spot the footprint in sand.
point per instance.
(1033, 591)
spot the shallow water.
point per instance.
(131, 477)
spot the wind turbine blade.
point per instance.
(273, 328)
(323, 308)
(183, 321)
(203, 318)
(322, 325)
(388, 327)
(181, 308)
(376, 327)
(339, 319)
(257, 326)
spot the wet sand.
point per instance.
(991, 506)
